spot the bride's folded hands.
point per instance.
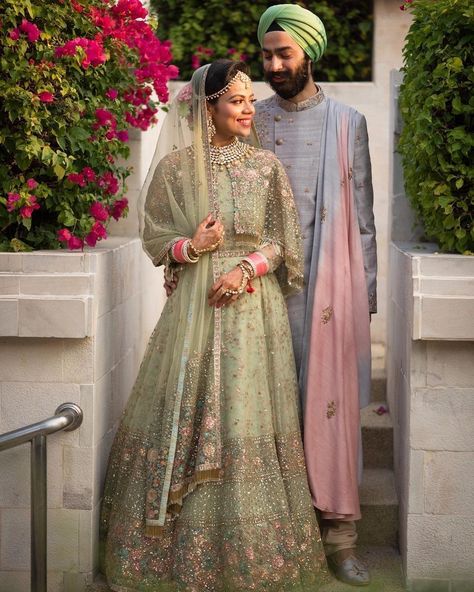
(227, 288)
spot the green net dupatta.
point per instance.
(180, 450)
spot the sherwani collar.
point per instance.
(313, 101)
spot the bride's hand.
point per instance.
(208, 234)
(229, 281)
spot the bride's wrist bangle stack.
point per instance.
(182, 251)
(257, 262)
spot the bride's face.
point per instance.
(233, 112)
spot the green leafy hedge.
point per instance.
(437, 105)
(202, 31)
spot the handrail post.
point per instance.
(38, 513)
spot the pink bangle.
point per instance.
(259, 262)
(177, 251)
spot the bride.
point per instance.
(206, 488)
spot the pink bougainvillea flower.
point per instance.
(99, 211)
(118, 208)
(381, 410)
(64, 235)
(27, 210)
(88, 174)
(31, 30)
(122, 135)
(231, 51)
(77, 6)
(243, 57)
(32, 184)
(12, 199)
(74, 242)
(97, 233)
(195, 62)
(14, 34)
(109, 183)
(77, 179)
(104, 117)
(132, 9)
(112, 93)
(46, 97)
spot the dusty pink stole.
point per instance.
(339, 340)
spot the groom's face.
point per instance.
(286, 67)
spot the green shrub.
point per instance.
(74, 75)
(437, 106)
(203, 31)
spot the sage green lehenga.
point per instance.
(206, 488)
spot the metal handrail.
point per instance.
(67, 417)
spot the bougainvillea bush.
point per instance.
(74, 76)
(437, 106)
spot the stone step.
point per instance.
(379, 507)
(378, 391)
(377, 437)
(385, 566)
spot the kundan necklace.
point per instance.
(234, 152)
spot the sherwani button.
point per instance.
(277, 117)
(279, 142)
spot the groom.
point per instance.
(324, 148)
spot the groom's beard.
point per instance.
(292, 84)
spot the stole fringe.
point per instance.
(176, 497)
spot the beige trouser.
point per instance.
(338, 535)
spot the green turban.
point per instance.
(303, 26)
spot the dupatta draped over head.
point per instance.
(179, 192)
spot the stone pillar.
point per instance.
(430, 385)
(72, 328)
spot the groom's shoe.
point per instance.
(348, 568)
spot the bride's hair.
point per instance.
(220, 73)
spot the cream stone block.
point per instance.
(416, 485)
(53, 262)
(78, 478)
(443, 318)
(76, 582)
(101, 458)
(22, 403)
(103, 407)
(450, 364)
(447, 266)
(11, 262)
(104, 345)
(14, 539)
(123, 379)
(54, 317)
(103, 290)
(452, 286)
(126, 320)
(89, 539)
(63, 540)
(125, 269)
(9, 284)
(56, 284)
(56, 582)
(8, 317)
(37, 360)
(449, 483)
(440, 547)
(78, 360)
(15, 477)
(15, 581)
(442, 419)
